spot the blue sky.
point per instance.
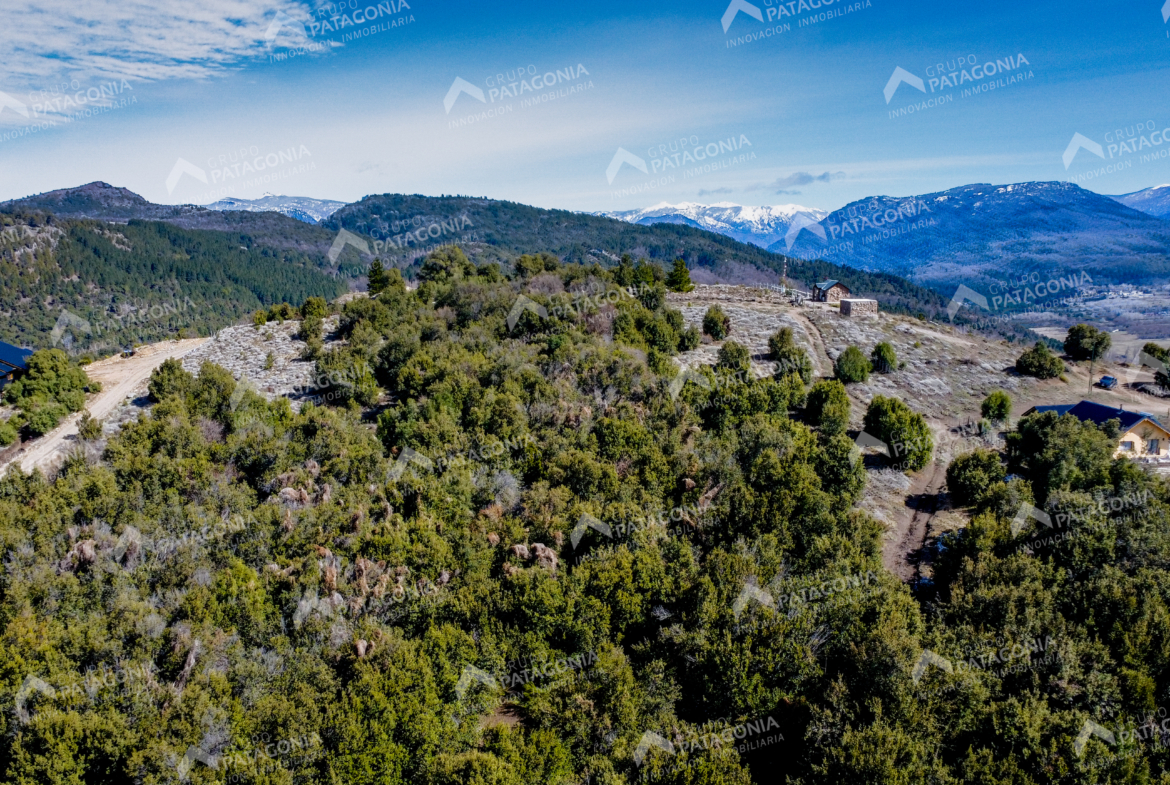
(804, 107)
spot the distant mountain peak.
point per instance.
(303, 208)
(1151, 201)
(761, 226)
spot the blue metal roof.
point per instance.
(1099, 413)
(13, 357)
(826, 285)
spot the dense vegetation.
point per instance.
(106, 286)
(555, 560)
(53, 387)
(1039, 361)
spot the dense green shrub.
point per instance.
(828, 407)
(852, 367)
(1085, 342)
(716, 323)
(884, 359)
(790, 358)
(904, 431)
(1039, 361)
(971, 476)
(996, 407)
(679, 278)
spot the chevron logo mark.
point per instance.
(902, 75)
(649, 740)
(183, 166)
(865, 440)
(405, 459)
(799, 224)
(965, 294)
(1028, 512)
(459, 86)
(521, 305)
(927, 659)
(624, 156)
(1090, 729)
(130, 536)
(7, 101)
(472, 674)
(1144, 360)
(346, 237)
(1080, 142)
(30, 686)
(752, 592)
(71, 322)
(1166, 12)
(587, 521)
(193, 755)
(734, 9)
(680, 381)
(282, 21)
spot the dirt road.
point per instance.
(121, 378)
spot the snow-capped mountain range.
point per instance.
(762, 226)
(302, 208)
(1153, 201)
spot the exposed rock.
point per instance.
(545, 556)
(520, 551)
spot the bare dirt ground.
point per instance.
(946, 374)
(121, 379)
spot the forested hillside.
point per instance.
(120, 284)
(408, 227)
(556, 560)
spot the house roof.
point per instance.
(1088, 411)
(827, 285)
(13, 357)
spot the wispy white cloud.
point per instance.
(47, 44)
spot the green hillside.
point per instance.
(138, 282)
(490, 230)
